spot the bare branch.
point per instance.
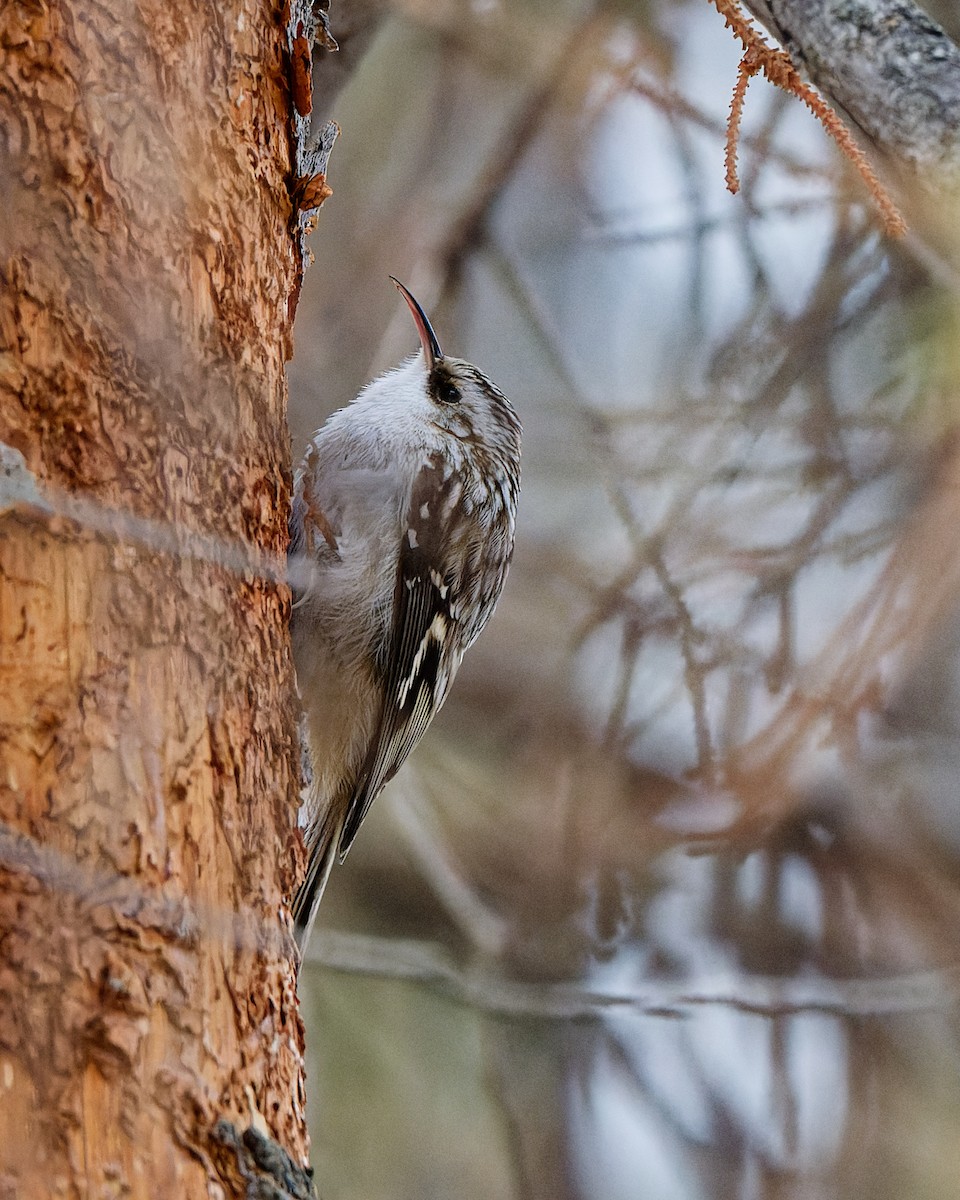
(888, 66)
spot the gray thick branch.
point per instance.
(894, 72)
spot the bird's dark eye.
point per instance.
(447, 392)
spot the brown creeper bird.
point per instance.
(404, 509)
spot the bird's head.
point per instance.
(456, 398)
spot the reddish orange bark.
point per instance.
(148, 785)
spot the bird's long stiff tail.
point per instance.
(307, 900)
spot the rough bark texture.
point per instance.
(147, 768)
(888, 66)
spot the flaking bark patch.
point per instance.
(148, 761)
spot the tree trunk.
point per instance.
(148, 788)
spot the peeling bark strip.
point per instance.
(147, 739)
(892, 69)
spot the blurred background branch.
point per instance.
(668, 901)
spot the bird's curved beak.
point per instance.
(428, 339)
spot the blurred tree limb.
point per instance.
(893, 71)
(895, 75)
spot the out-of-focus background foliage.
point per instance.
(667, 904)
